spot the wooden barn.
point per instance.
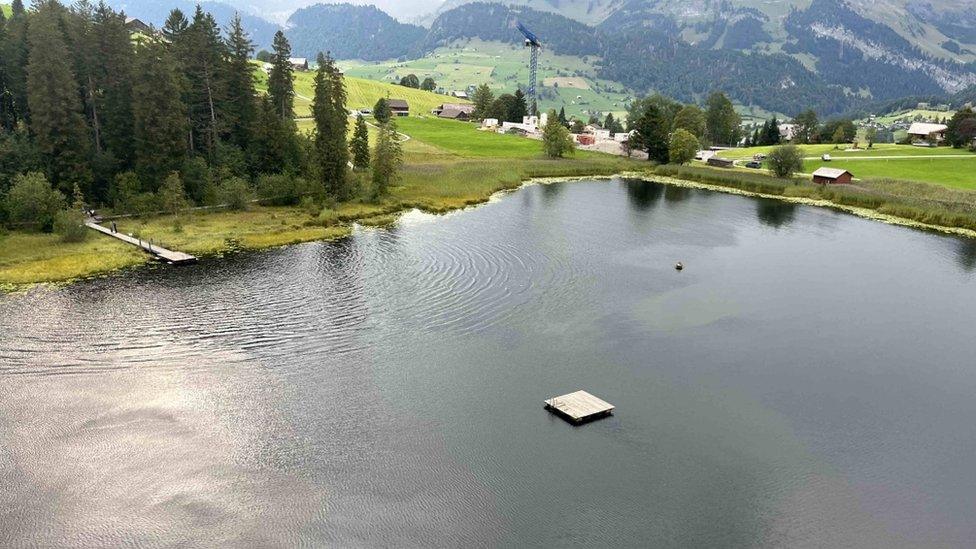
(832, 176)
(720, 162)
(399, 107)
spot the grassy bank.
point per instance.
(448, 165)
(909, 200)
(954, 168)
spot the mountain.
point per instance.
(351, 32)
(154, 12)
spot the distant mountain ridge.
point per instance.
(154, 12)
(831, 55)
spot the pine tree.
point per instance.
(562, 117)
(174, 27)
(281, 88)
(329, 112)
(14, 53)
(381, 111)
(652, 135)
(17, 8)
(241, 109)
(519, 108)
(115, 80)
(387, 159)
(483, 98)
(6, 103)
(360, 144)
(274, 147)
(203, 63)
(721, 120)
(159, 116)
(57, 122)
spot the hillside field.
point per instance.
(5, 8)
(504, 67)
(945, 166)
(362, 93)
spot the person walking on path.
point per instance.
(115, 229)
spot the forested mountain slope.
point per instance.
(352, 32)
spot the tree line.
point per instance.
(123, 120)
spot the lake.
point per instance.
(807, 381)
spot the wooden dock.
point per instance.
(169, 256)
(579, 407)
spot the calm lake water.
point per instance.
(809, 380)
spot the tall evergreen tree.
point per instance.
(483, 98)
(115, 80)
(14, 57)
(17, 8)
(203, 63)
(329, 112)
(274, 146)
(57, 122)
(652, 134)
(281, 88)
(175, 25)
(519, 108)
(562, 117)
(6, 102)
(159, 116)
(241, 109)
(721, 120)
(360, 144)
(387, 159)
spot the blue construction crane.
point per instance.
(532, 41)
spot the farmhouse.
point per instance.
(459, 94)
(299, 63)
(928, 134)
(832, 176)
(399, 107)
(720, 162)
(446, 107)
(456, 114)
(136, 25)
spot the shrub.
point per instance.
(284, 190)
(556, 139)
(785, 160)
(327, 217)
(308, 204)
(235, 193)
(70, 224)
(32, 203)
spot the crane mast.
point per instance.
(532, 42)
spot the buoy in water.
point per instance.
(680, 266)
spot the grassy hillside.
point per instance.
(565, 80)
(362, 93)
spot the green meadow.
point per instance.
(954, 168)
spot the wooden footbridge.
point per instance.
(168, 256)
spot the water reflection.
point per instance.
(675, 193)
(966, 254)
(775, 213)
(643, 194)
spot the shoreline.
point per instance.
(383, 216)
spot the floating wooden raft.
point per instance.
(579, 407)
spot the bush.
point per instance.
(327, 217)
(70, 224)
(32, 203)
(785, 160)
(308, 204)
(235, 193)
(284, 190)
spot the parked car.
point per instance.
(754, 165)
(826, 158)
(759, 156)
